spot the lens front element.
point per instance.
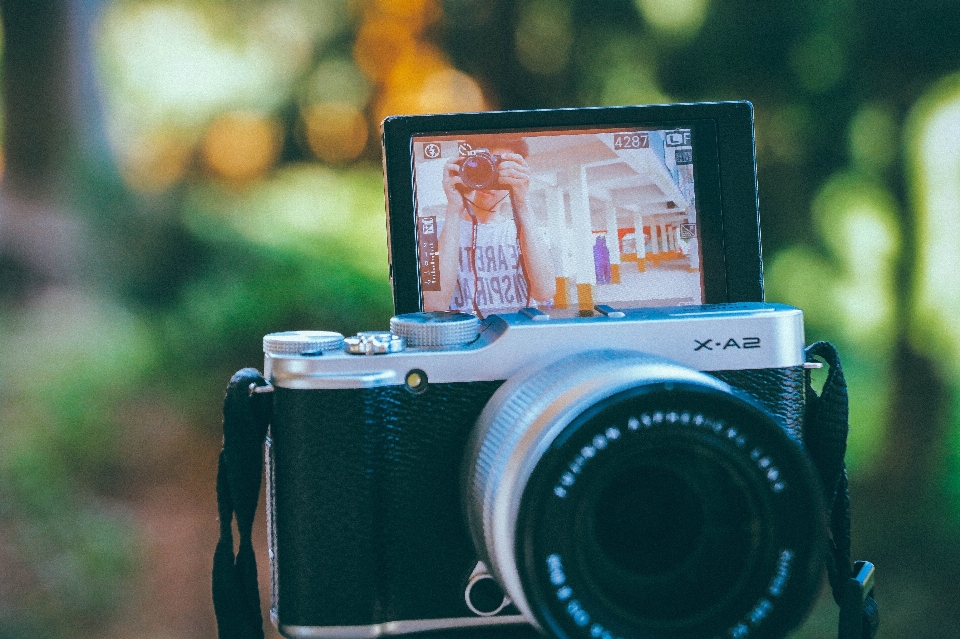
(635, 498)
(479, 171)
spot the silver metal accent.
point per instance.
(481, 573)
(609, 311)
(812, 365)
(374, 343)
(393, 628)
(444, 329)
(519, 424)
(507, 343)
(286, 378)
(535, 314)
(300, 342)
(253, 388)
(722, 309)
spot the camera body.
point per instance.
(636, 473)
(479, 170)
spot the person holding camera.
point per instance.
(493, 257)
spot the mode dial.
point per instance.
(438, 329)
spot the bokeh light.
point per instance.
(336, 131)
(850, 294)
(544, 37)
(337, 80)
(170, 68)
(674, 17)
(933, 159)
(852, 289)
(380, 43)
(170, 65)
(818, 61)
(782, 134)
(412, 75)
(402, 84)
(416, 14)
(874, 138)
(449, 90)
(155, 160)
(625, 72)
(241, 146)
(934, 164)
(299, 208)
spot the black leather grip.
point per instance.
(366, 503)
(781, 390)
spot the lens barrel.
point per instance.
(618, 495)
(480, 170)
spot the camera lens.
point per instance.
(617, 495)
(479, 171)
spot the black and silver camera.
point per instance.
(479, 169)
(639, 457)
(640, 473)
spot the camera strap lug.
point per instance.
(856, 598)
(254, 388)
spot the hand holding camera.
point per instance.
(480, 173)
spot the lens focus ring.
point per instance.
(521, 421)
(603, 489)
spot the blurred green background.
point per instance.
(180, 177)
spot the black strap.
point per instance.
(236, 593)
(825, 437)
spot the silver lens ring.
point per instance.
(699, 448)
(521, 421)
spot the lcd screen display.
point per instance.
(560, 220)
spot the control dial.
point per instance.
(307, 343)
(438, 329)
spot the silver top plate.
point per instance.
(725, 337)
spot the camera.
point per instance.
(479, 170)
(638, 473)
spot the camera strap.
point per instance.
(825, 438)
(236, 593)
(468, 206)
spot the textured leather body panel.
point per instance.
(369, 524)
(781, 390)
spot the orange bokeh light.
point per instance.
(413, 76)
(335, 131)
(450, 90)
(423, 81)
(416, 14)
(411, 69)
(417, 81)
(156, 160)
(380, 43)
(241, 146)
